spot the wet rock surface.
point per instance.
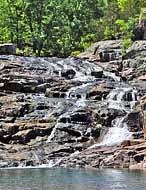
(75, 112)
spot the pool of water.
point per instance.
(71, 179)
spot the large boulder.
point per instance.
(140, 31)
(135, 59)
(138, 48)
(135, 121)
(107, 54)
(106, 51)
(7, 49)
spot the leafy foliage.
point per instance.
(65, 27)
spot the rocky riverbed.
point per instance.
(86, 111)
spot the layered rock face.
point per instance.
(135, 61)
(71, 112)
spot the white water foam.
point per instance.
(117, 134)
(51, 136)
(112, 75)
(118, 98)
(51, 164)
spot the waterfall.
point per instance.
(117, 133)
(51, 136)
(79, 93)
(78, 90)
(123, 98)
(112, 75)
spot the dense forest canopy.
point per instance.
(65, 27)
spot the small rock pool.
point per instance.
(71, 179)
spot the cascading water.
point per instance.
(51, 136)
(65, 105)
(79, 93)
(112, 75)
(117, 133)
(122, 98)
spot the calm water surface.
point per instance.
(71, 179)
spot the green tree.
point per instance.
(61, 27)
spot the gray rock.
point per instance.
(135, 59)
(7, 49)
(108, 50)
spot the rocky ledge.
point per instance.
(87, 111)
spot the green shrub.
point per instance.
(75, 53)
